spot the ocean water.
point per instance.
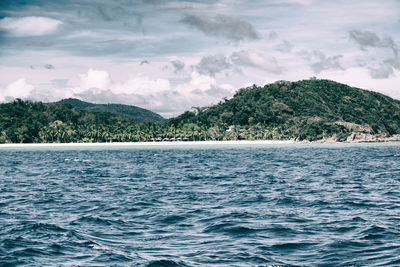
(307, 205)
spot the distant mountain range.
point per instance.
(139, 115)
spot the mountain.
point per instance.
(308, 110)
(37, 122)
(304, 110)
(137, 114)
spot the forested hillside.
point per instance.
(137, 114)
(36, 122)
(304, 110)
(308, 109)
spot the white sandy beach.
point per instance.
(186, 145)
(149, 144)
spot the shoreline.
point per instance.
(177, 144)
(152, 144)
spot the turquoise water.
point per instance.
(321, 205)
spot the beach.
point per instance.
(187, 145)
(148, 144)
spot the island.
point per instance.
(310, 110)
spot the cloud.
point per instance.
(100, 82)
(272, 36)
(367, 38)
(256, 60)
(393, 62)
(219, 92)
(222, 26)
(154, 94)
(141, 85)
(97, 86)
(185, 4)
(178, 66)
(49, 67)
(325, 63)
(385, 68)
(103, 15)
(60, 82)
(320, 62)
(29, 26)
(211, 65)
(301, 2)
(198, 82)
(382, 72)
(18, 89)
(214, 64)
(204, 85)
(94, 80)
(285, 46)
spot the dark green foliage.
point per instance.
(308, 109)
(139, 115)
(32, 122)
(304, 110)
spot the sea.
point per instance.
(228, 205)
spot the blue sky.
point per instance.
(168, 56)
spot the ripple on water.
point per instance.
(199, 207)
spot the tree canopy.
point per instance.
(304, 110)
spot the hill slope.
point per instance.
(305, 110)
(37, 122)
(137, 114)
(308, 109)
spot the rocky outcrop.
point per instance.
(361, 137)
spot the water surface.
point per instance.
(193, 206)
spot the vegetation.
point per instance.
(29, 122)
(303, 110)
(139, 115)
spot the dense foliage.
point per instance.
(37, 122)
(139, 115)
(32, 122)
(304, 110)
(308, 109)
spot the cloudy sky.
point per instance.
(170, 55)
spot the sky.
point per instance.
(169, 56)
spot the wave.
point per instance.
(198, 207)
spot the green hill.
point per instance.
(137, 114)
(308, 109)
(37, 122)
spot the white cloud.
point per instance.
(29, 26)
(17, 89)
(198, 82)
(204, 85)
(99, 81)
(141, 85)
(154, 94)
(95, 80)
